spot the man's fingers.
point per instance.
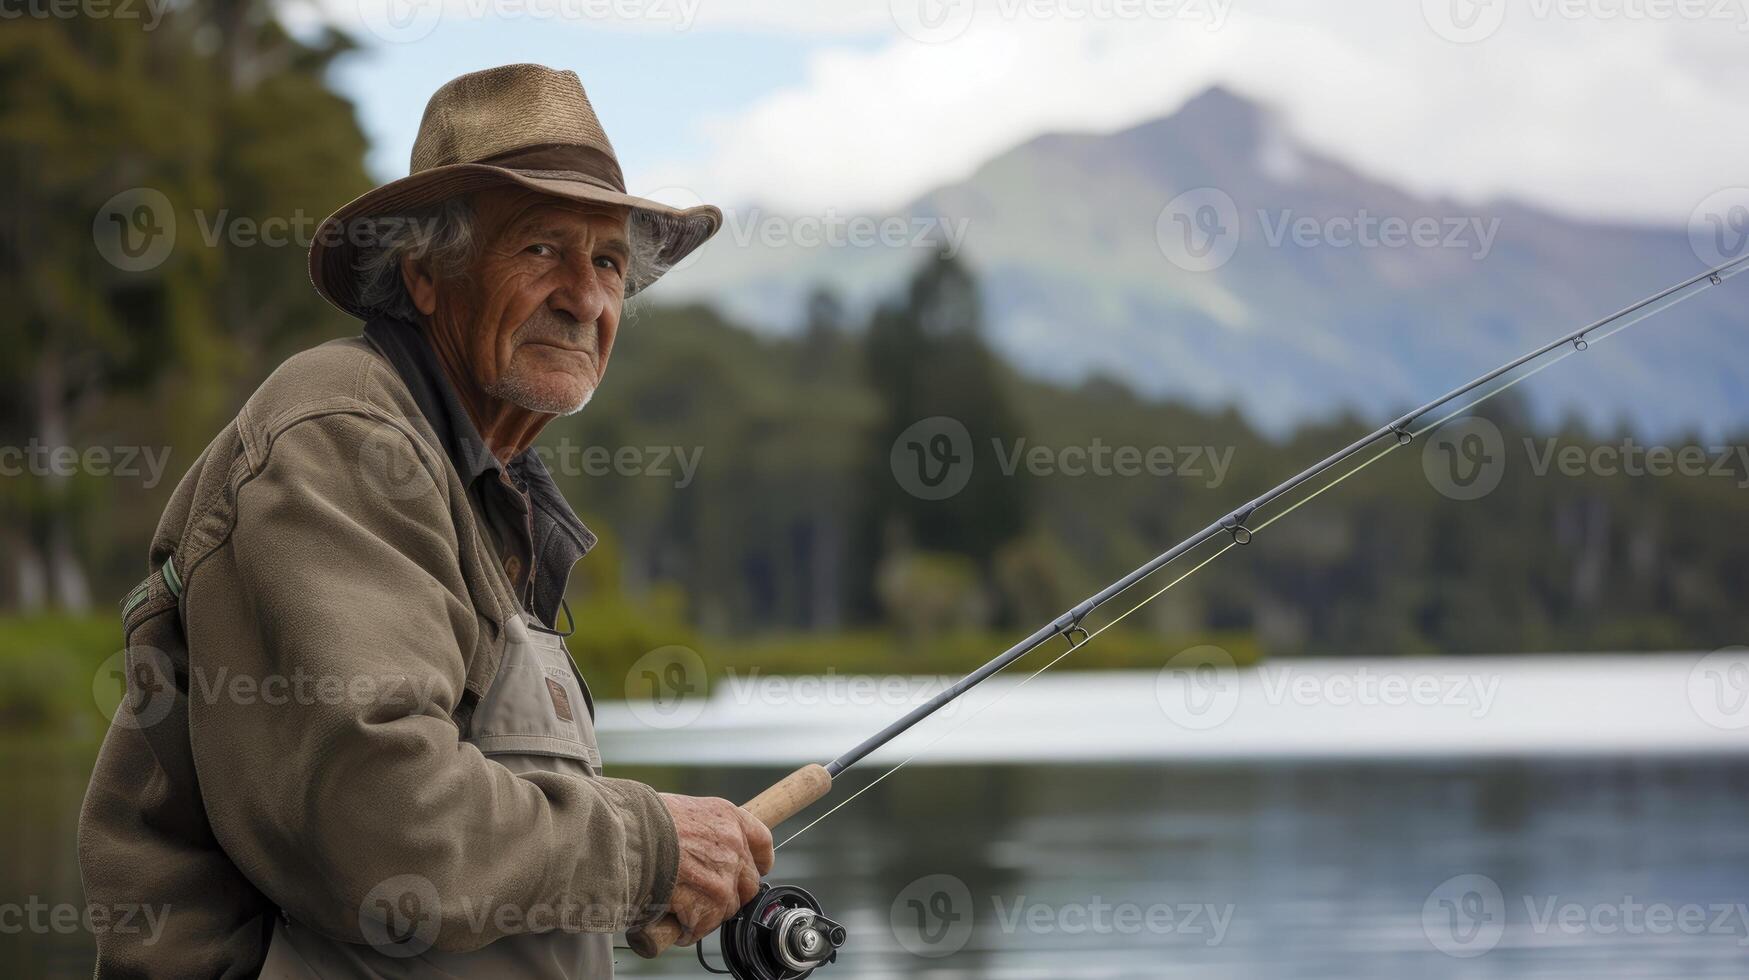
(748, 885)
(758, 841)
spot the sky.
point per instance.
(1620, 110)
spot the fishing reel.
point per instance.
(780, 935)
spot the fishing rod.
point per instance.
(782, 934)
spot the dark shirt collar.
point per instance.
(559, 537)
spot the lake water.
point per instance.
(1588, 818)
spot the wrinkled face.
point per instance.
(540, 306)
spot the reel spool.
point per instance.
(780, 935)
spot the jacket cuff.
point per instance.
(655, 847)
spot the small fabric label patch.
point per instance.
(561, 699)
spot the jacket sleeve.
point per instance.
(327, 638)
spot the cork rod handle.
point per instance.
(781, 800)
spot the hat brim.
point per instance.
(666, 234)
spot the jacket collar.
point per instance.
(559, 537)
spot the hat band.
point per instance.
(567, 160)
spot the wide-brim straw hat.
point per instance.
(522, 125)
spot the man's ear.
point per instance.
(419, 284)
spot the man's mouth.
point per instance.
(568, 348)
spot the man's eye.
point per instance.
(541, 248)
(607, 262)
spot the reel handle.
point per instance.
(779, 802)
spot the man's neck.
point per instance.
(506, 429)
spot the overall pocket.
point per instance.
(537, 710)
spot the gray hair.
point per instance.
(442, 236)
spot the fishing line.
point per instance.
(1069, 624)
(1004, 695)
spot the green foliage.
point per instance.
(227, 125)
(48, 672)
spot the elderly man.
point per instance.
(353, 744)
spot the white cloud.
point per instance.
(1604, 116)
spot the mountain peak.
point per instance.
(1217, 116)
(1218, 101)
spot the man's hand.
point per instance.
(724, 851)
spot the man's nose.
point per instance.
(580, 292)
